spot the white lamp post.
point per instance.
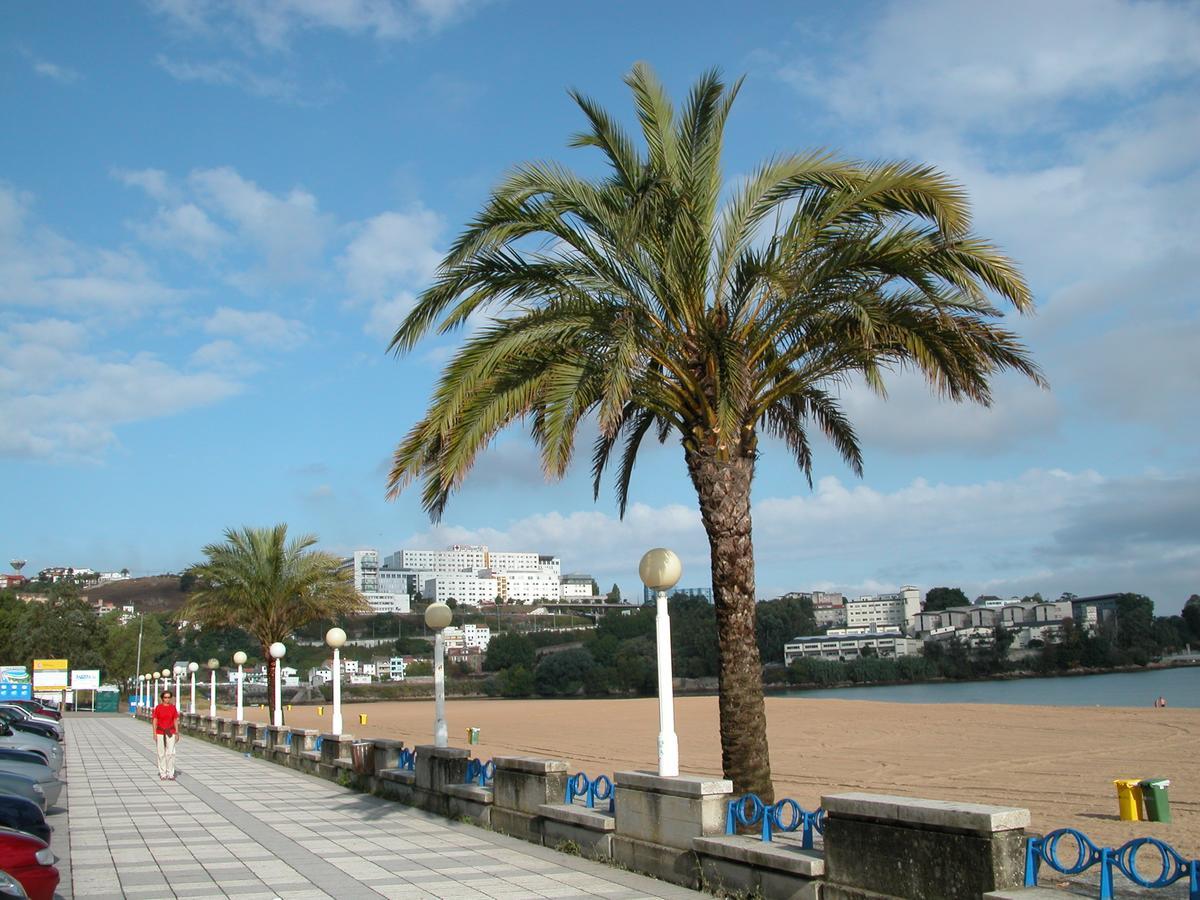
(212, 687)
(660, 570)
(193, 667)
(240, 659)
(178, 673)
(335, 638)
(141, 690)
(277, 653)
(156, 675)
(437, 616)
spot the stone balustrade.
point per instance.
(672, 828)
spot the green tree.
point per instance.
(563, 674)
(940, 598)
(516, 682)
(613, 596)
(64, 627)
(119, 649)
(1191, 615)
(780, 620)
(269, 586)
(508, 650)
(638, 300)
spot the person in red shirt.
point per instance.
(166, 733)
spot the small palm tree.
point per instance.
(259, 581)
(641, 301)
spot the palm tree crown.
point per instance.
(647, 301)
(259, 581)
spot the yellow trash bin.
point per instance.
(362, 720)
(1129, 799)
(320, 711)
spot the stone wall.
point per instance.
(673, 828)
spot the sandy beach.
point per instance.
(1059, 762)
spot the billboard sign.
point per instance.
(15, 683)
(85, 679)
(50, 674)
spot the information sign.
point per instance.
(50, 674)
(15, 683)
(85, 679)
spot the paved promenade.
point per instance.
(237, 827)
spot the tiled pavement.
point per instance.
(231, 826)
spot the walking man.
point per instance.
(166, 733)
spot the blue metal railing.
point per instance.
(481, 773)
(786, 815)
(408, 759)
(591, 789)
(1172, 866)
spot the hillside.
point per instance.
(156, 594)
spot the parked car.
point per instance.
(39, 772)
(15, 785)
(24, 815)
(30, 717)
(18, 723)
(20, 740)
(11, 889)
(30, 861)
(31, 756)
(37, 708)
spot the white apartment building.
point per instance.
(884, 609)
(848, 643)
(478, 636)
(829, 616)
(365, 571)
(457, 558)
(537, 586)
(464, 587)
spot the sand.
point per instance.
(1059, 762)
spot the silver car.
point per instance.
(22, 740)
(26, 714)
(23, 786)
(40, 773)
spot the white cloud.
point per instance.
(186, 228)
(263, 329)
(392, 248)
(273, 23)
(154, 182)
(386, 315)
(41, 269)
(60, 402)
(61, 74)
(231, 73)
(1046, 530)
(288, 229)
(999, 66)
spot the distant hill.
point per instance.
(156, 594)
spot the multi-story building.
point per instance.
(829, 616)
(848, 643)
(365, 571)
(474, 574)
(702, 593)
(477, 636)
(575, 587)
(465, 587)
(885, 609)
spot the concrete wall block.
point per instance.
(591, 843)
(438, 767)
(517, 824)
(335, 747)
(668, 863)
(897, 861)
(668, 819)
(525, 783)
(387, 754)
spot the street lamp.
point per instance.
(277, 653)
(141, 690)
(437, 616)
(154, 696)
(178, 671)
(335, 638)
(240, 659)
(212, 693)
(660, 570)
(193, 667)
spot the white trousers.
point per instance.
(166, 754)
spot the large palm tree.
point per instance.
(259, 581)
(644, 302)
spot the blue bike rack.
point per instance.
(407, 760)
(1123, 859)
(591, 789)
(785, 815)
(480, 773)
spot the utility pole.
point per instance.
(141, 628)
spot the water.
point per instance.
(1180, 686)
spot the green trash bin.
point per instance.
(1154, 796)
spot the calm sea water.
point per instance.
(1180, 686)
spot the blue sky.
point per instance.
(213, 214)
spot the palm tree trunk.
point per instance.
(723, 488)
(271, 675)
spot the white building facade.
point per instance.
(896, 609)
(473, 574)
(849, 643)
(366, 574)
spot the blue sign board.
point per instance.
(10, 690)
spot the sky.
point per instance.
(214, 213)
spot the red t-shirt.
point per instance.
(166, 718)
